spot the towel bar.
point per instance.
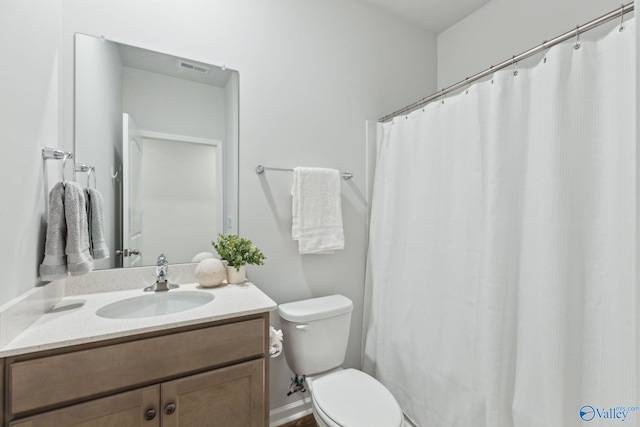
(260, 170)
(49, 153)
(55, 154)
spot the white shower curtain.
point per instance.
(502, 259)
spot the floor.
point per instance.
(307, 421)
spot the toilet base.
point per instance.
(319, 421)
(320, 418)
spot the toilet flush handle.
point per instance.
(302, 326)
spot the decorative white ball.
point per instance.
(202, 255)
(210, 272)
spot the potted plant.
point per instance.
(238, 252)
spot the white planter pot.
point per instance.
(235, 276)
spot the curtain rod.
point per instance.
(617, 13)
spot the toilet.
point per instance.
(316, 334)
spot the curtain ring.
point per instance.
(576, 45)
(515, 71)
(621, 28)
(546, 50)
(468, 85)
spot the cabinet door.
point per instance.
(227, 397)
(131, 409)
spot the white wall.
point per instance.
(503, 28)
(98, 128)
(167, 104)
(160, 103)
(230, 152)
(310, 74)
(179, 209)
(30, 42)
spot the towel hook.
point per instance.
(64, 164)
(91, 172)
(80, 167)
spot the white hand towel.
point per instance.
(95, 217)
(54, 265)
(317, 210)
(79, 260)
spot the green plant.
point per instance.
(238, 251)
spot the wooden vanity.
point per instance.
(212, 374)
(207, 366)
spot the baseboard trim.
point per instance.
(290, 412)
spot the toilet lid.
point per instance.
(352, 398)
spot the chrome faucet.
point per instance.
(162, 269)
(162, 279)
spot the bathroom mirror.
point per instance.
(159, 136)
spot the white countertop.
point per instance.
(73, 320)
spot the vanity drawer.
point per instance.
(51, 381)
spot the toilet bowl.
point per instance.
(316, 334)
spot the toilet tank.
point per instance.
(316, 333)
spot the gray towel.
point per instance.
(79, 260)
(95, 216)
(54, 265)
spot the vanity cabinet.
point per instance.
(228, 397)
(123, 409)
(214, 374)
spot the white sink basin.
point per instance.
(155, 304)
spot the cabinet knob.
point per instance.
(150, 414)
(170, 408)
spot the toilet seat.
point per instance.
(351, 398)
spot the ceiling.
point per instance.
(433, 15)
(173, 66)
